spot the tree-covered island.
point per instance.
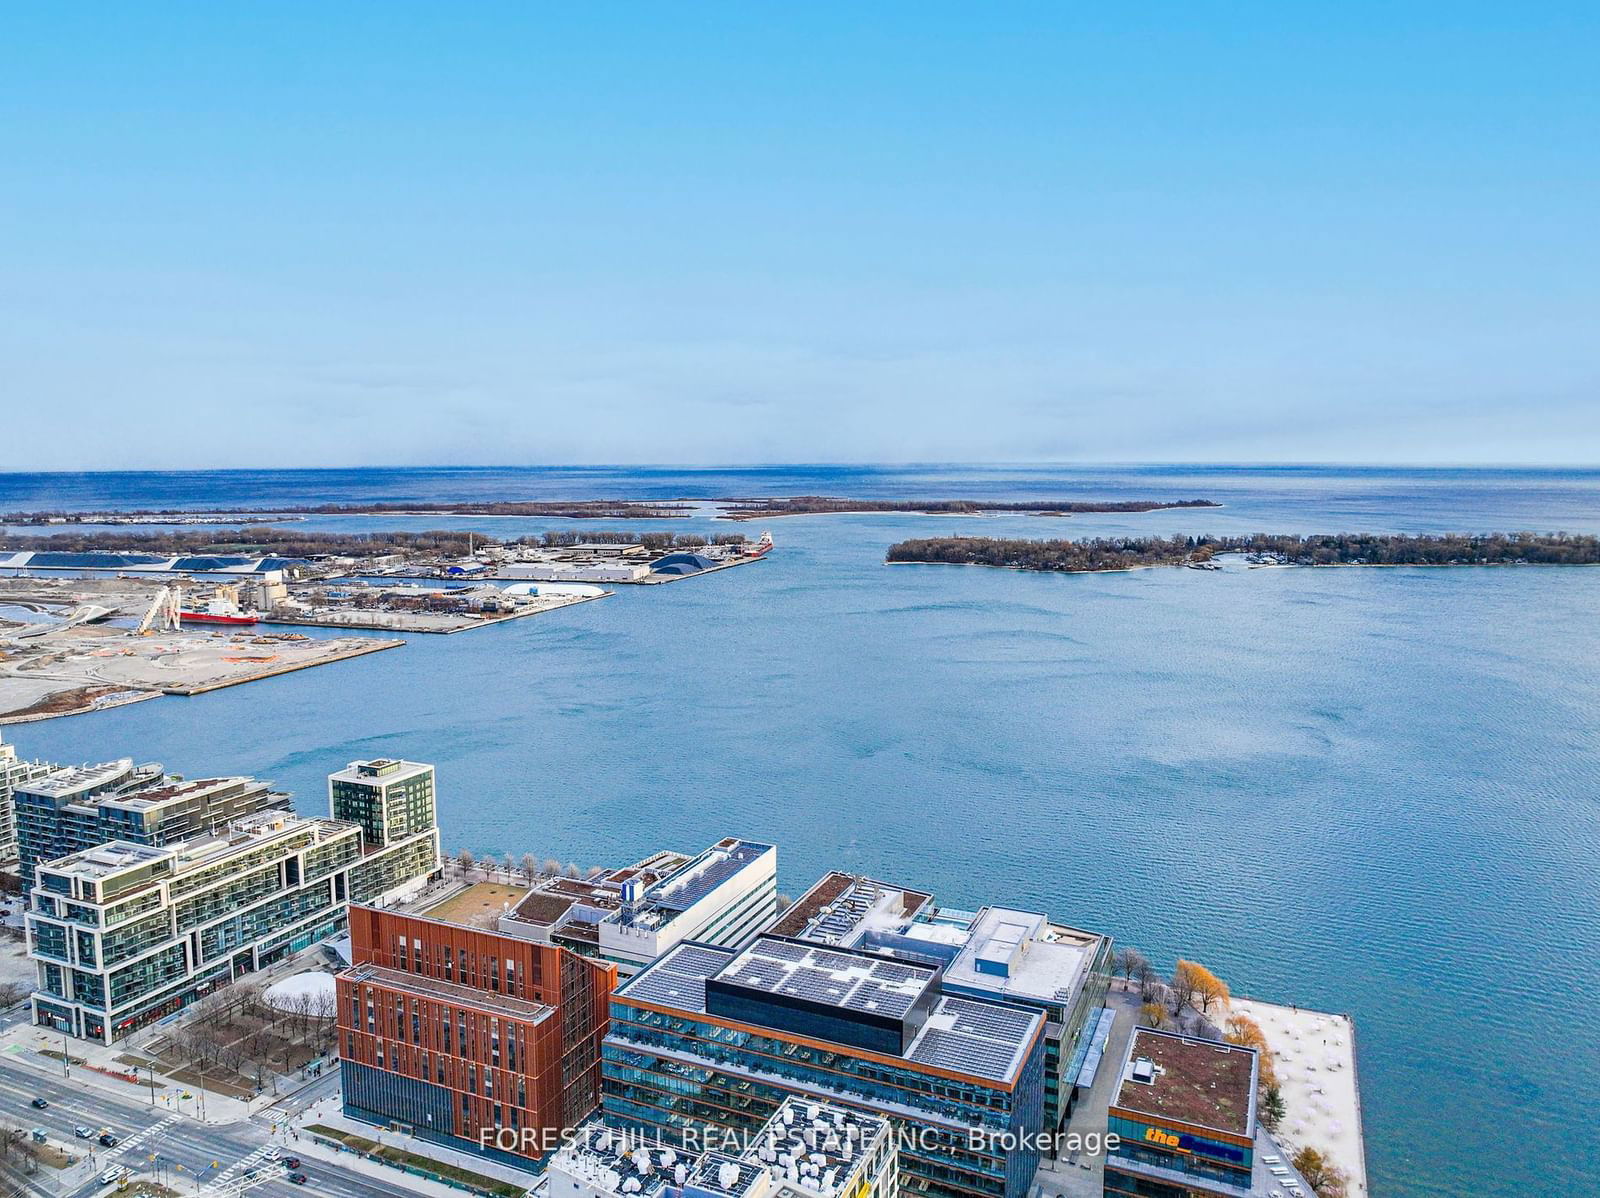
(826, 505)
(1338, 549)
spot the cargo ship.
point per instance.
(222, 608)
(762, 547)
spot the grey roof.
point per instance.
(677, 979)
(983, 1039)
(699, 877)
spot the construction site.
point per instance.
(74, 645)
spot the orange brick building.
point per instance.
(467, 1037)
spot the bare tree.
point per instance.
(530, 866)
(551, 866)
(1149, 981)
(1128, 961)
(572, 871)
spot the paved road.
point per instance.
(189, 1155)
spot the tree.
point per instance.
(573, 871)
(1241, 1029)
(1321, 1174)
(1182, 987)
(530, 866)
(466, 860)
(1149, 981)
(11, 993)
(1129, 961)
(1192, 981)
(1154, 1014)
(1273, 1108)
(552, 866)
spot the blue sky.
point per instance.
(314, 234)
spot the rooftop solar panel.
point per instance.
(830, 977)
(679, 978)
(976, 1038)
(784, 950)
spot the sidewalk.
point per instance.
(100, 1070)
(328, 1112)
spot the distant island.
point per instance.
(296, 543)
(573, 509)
(1339, 549)
(822, 505)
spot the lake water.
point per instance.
(1365, 790)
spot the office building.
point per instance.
(123, 934)
(629, 917)
(71, 810)
(14, 772)
(1185, 1115)
(464, 1036)
(711, 1039)
(996, 953)
(805, 1150)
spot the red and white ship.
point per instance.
(762, 547)
(222, 608)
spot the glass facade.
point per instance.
(1192, 1166)
(118, 948)
(389, 799)
(672, 1072)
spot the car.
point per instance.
(113, 1175)
(108, 1140)
(299, 1179)
(291, 1162)
(40, 1104)
(82, 1132)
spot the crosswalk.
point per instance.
(140, 1137)
(236, 1176)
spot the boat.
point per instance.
(222, 608)
(762, 547)
(207, 617)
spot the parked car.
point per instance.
(108, 1140)
(299, 1179)
(82, 1132)
(40, 1104)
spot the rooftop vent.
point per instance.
(1144, 1071)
